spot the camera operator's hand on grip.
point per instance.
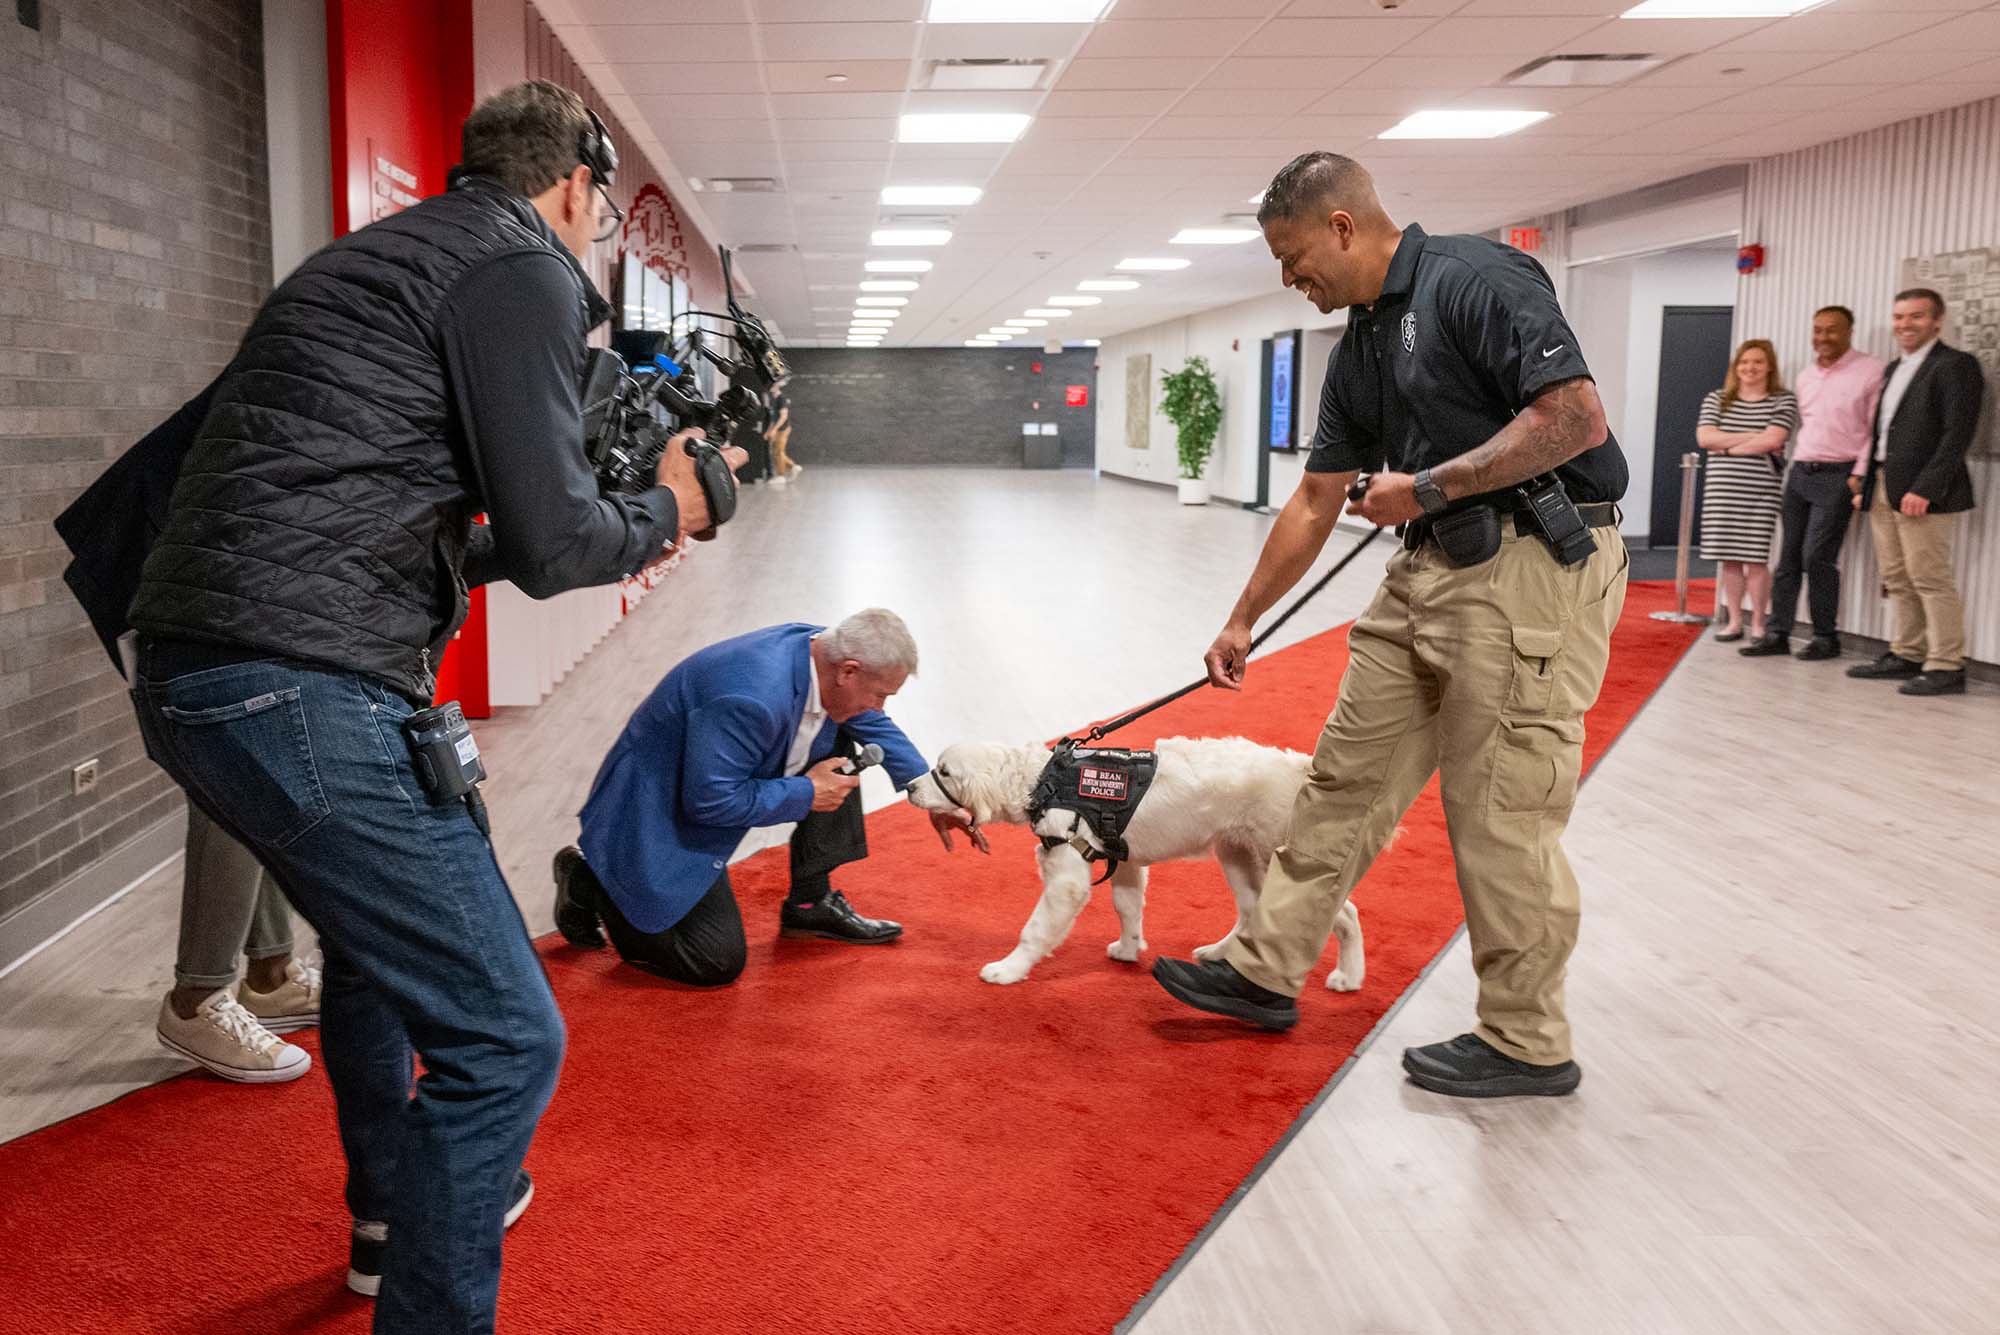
(830, 784)
(702, 479)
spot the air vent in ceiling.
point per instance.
(1584, 68)
(735, 185)
(763, 248)
(986, 74)
(919, 219)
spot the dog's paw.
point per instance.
(1125, 951)
(1338, 981)
(1004, 971)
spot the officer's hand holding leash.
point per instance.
(1385, 499)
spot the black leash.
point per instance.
(1101, 729)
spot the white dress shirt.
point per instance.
(1892, 394)
(810, 722)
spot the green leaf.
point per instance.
(1190, 400)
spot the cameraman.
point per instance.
(313, 567)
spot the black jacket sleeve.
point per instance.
(512, 337)
(1958, 389)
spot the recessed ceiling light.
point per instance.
(1214, 236)
(1719, 9)
(898, 266)
(982, 343)
(909, 236)
(931, 194)
(1026, 324)
(870, 312)
(1107, 284)
(1016, 11)
(1093, 343)
(881, 301)
(864, 342)
(888, 285)
(1454, 123)
(1150, 265)
(1076, 301)
(1047, 312)
(950, 127)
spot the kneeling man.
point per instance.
(758, 730)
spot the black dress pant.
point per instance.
(1814, 513)
(706, 948)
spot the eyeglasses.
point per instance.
(608, 222)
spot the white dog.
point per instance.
(1223, 795)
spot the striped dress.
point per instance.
(1740, 495)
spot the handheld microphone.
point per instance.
(870, 754)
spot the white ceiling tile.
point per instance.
(860, 129)
(813, 150)
(1795, 99)
(861, 76)
(1603, 9)
(1885, 66)
(1665, 37)
(1471, 37)
(666, 110)
(1986, 72)
(1311, 73)
(1177, 126)
(1839, 33)
(744, 129)
(1434, 73)
(931, 100)
(1185, 150)
(1063, 102)
(1099, 75)
(1241, 101)
(640, 80)
(1068, 129)
(1334, 9)
(1337, 129)
(843, 105)
(596, 13)
(1013, 41)
(837, 41)
(805, 11)
(1969, 32)
(677, 42)
(1371, 36)
(1117, 38)
(1648, 96)
(1711, 69)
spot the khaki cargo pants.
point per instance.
(1481, 675)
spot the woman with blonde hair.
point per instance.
(1744, 427)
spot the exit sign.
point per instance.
(1525, 238)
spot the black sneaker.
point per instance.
(370, 1240)
(1821, 648)
(1471, 1068)
(832, 918)
(576, 900)
(1769, 645)
(1217, 988)
(1935, 683)
(1886, 668)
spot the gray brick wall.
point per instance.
(936, 406)
(134, 247)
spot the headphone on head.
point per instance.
(595, 150)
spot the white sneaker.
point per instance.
(227, 1040)
(777, 481)
(295, 1003)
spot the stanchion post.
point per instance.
(1690, 463)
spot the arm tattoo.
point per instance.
(1554, 429)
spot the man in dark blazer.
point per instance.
(758, 730)
(1918, 480)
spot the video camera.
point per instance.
(623, 436)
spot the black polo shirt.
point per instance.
(1470, 330)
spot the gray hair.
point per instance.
(876, 638)
(1313, 183)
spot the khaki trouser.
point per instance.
(1482, 675)
(1914, 552)
(781, 444)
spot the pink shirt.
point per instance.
(1837, 410)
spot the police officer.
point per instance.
(1487, 640)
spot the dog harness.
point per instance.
(1102, 785)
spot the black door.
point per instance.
(1694, 357)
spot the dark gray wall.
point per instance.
(936, 406)
(134, 247)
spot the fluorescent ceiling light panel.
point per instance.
(1144, 265)
(1076, 301)
(952, 127)
(1016, 11)
(1719, 9)
(1046, 312)
(871, 313)
(1026, 324)
(982, 343)
(909, 236)
(881, 301)
(1453, 123)
(1107, 285)
(888, 285)
(1214, 236)
(898, 266)
(931, 194)
(1093, 343)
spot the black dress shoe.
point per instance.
(1820, 649)
(1217, 988)
(1729, 636)
(1471, 1068)
(1886, 668)
(833, 918)
(576, 900)
(1769, 645)
(1935, 683)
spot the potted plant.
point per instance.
(1191, 402)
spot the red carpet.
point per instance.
(845, 1141)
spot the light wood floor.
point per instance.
(1785, 997)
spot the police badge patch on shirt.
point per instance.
(1409, 331)
(1106, 785)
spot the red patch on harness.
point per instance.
(1106, 785)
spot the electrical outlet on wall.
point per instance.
(84, 777)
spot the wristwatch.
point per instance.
(1429, 494)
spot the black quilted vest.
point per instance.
(323, 512)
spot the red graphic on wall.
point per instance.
(1076, 396)
(653, 233)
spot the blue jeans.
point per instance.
(424, 948)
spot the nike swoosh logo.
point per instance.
(1550, 352)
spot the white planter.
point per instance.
(1194, 491)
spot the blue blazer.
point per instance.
(702, 762)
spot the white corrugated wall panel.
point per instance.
(1836, 222)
